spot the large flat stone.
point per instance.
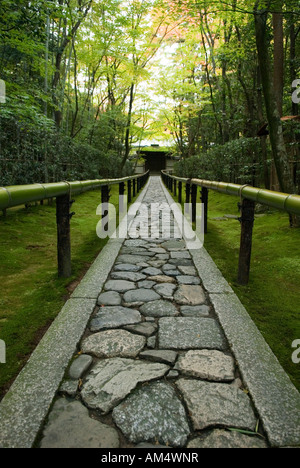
(190, 333)
(114, 317)
(195, 311)
(144, 328)
(110, 298)
(153, 414)
(190, 295)
(140, 295)
(166, 290)
(119, 285)
(207, 364)
(127, 267)
(70, 426)
(128, 276)
(132, 259)
(188, 279)
(159, 308)
(111, 380)
(217, 404)
(113, 343)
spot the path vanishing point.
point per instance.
(153, 349)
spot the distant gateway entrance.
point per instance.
(156, 161)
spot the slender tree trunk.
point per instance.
(127, 134)
(275, 125)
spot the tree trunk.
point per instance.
(127, 135)
(275, 126)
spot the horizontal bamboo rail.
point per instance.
(248, 196)
(63, 192)
(17, 195)
(281, 201)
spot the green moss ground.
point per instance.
(31, 295)
(272, 297)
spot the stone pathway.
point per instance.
(154, 366)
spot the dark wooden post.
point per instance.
(121, 196)
(247, 222)
(63, 217)
(129, 191)
(194, 203)
(187, 197)
(180, 192)
(134, 188)
(204, 200)
(175, 188)
(105, 201)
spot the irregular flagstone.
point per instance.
(146, 284)
(157, 250)
(119, 285)
(162, 279)
(128, 275)
(135, 243)
(165, 289)
(222, 439)
(190, 295)
(159, 308)
(195, 311)
(111, 380)
(132, 259)
(165, 356)
(114, 317)
(181, 262)
(217, 404)
(190, 333)
(187, 270)
(140, 295)
(69, 387)
(144, 328)
(207, 364)
(127, 267)
(153, 414)
(79, 366)
(110, 298)
(70, 426)
(180, 254)
(174, 244)
(188, 279)
(113, 343)
(167, 267)
(151, 271)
